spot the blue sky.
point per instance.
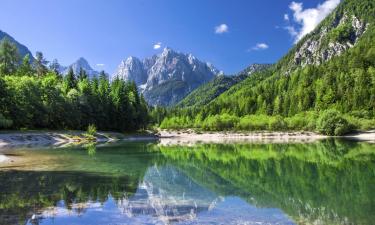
(230, 34)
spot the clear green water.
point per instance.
(326, 182)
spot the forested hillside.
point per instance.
(209, 91)
(328, 75)
(35, 95)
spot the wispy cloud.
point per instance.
(286, 17)
(157, 45)
(259, 46)
(222, 28)
(292, 31)
(308, 19)
(100, 64)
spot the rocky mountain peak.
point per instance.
(77, 65)
(328, 41)
(159, 71)
(131, 69)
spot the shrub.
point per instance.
(331, 122)
(277, 123)
(91, 130)
(176, 123)
(220, 122)
(253, 122)
(302, 121)
(4, 122)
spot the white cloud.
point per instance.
(308, 19)
(222, 28)
(291, 30)
(259, 46)
(286, 17)
(100, 64)
(157, 45)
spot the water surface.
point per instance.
(326, 182)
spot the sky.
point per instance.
(230, 34)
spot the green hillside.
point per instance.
(209, 91)
(332, 68)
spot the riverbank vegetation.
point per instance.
(329, 122)
(34, 95)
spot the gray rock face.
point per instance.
(22, 49)
(132, 69)
(322, 47)
(77, 65)
(166, 78)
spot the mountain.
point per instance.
(209, 91)
(332, 68)
(166, 78)
(80, 63)
(22, 49)
(77, 65)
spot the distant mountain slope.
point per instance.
(22, 49)
(209, 91)
(166, 78)
(77, 65)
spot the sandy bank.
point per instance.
(168, 137)
(368, 136)
(190, 137)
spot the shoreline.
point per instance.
(172, 137)
(9, 139)
(189, 136)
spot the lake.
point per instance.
(325, 182)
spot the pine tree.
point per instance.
(40, 64)
(25, 68)
(70, 80)
(9, 57)
(55, 67)
(82, 75)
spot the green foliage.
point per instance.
(25, 69)
(9, 57)
(331, 122)
(70, 80)
(5, 123)
(341, 33)
(40, 64)
(39, 98)
(207, 92)
(302, 122)
(220, 122)
(91, 130)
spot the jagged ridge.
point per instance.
(166, 78)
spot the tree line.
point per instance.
(34, 94)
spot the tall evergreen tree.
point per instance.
(25, 69)
(40, 64)
(9, 57)
(82, 75)
(55, 67)
(70, 80)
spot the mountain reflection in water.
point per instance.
(326, 182)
